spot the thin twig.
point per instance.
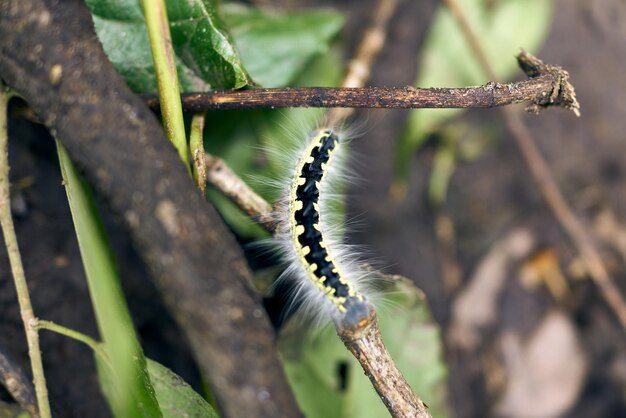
(223, 178)
(18, 385)
(535, 91)
(95, 345)
(17, 269)
(548, 187)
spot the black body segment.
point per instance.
(308, 217)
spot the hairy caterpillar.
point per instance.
(329, 282)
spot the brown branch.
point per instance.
(538, 91)
(18, 385)
(366, 344)
(540, 171)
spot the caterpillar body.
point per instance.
(330, 282)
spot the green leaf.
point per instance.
(313, 361)
(176, 398)
(502, 27)
(202, 43)
(129, 392)
(205, 57)
(274, 46)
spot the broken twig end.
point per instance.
(563, 93)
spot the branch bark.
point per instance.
(366, 345)
(50, 55)
(536, 91)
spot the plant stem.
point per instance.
(17, 269)
(157, 24)
(96, 346)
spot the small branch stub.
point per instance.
(562, 94)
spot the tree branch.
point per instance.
(548, 86)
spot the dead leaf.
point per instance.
(476, 306)
(545, 373)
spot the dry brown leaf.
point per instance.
(545, 373)
(476, 306)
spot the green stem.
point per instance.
(96, 346)
(196, 143)
(17, 269)
(165, 68)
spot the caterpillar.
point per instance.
(329, 281)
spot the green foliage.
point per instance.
(312, 361)
(275, 46)
(502, 27)
(176, 398)
(205, 57)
